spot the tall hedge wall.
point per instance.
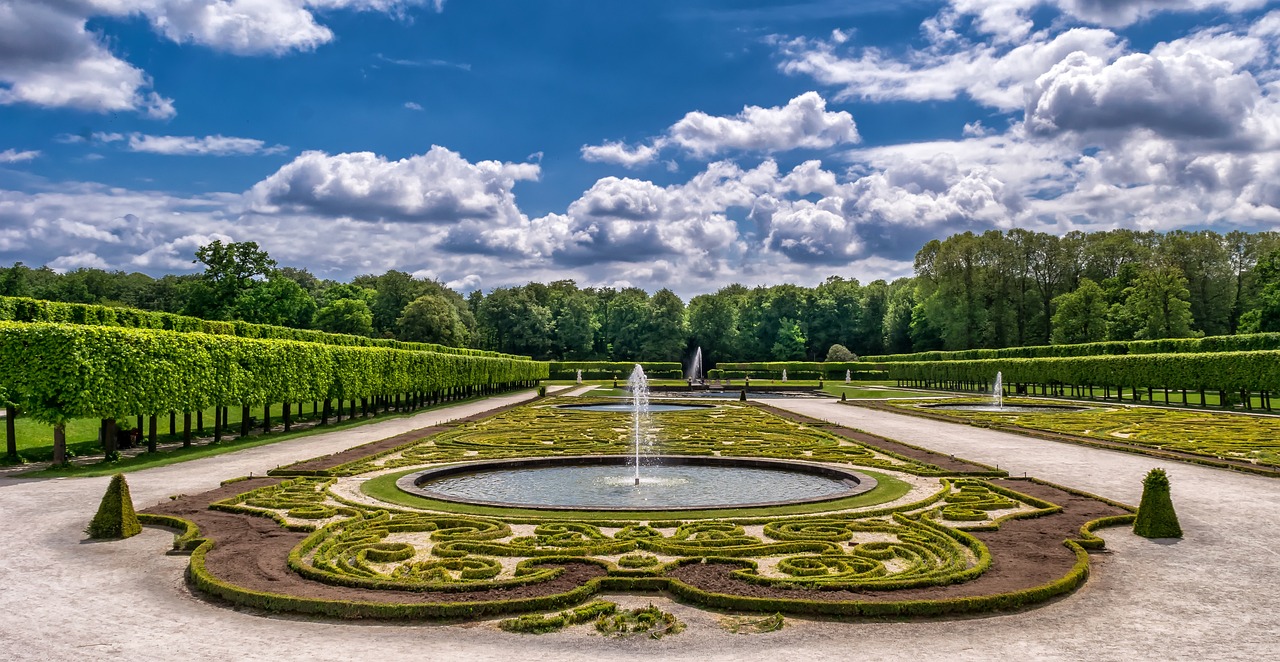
(798, 370)
(619, 369)
(20, 309)
(1225, 371)
(1242, 343)
(56, 372)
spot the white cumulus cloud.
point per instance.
(803, 123)
(438, 186)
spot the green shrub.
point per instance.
(1156, 518)
(649, 620)
(539, 624)
(115, 518)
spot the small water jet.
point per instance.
(578, 378)
(784, 374)
(997, 393)
(694, 375)
(848, 376)
(639, 385)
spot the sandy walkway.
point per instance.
(1213, 596)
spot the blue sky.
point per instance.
(659, 144)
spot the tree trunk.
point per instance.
(10, 436)
(266, 419)
(217, 424)
(186, 429)
(173, 423)
(59, 444)
(151, 435)
(245, 415)
(109, 438)
(288, 422)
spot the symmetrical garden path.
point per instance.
(1214, 595)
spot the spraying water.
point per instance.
(848, 376)
(997, 393)
(639, 385)
(695, 368)
(579, 376)
(784, 374)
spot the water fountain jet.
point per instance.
(694, 375)
(639, 385)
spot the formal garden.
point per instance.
(706, 486)
(936, 535)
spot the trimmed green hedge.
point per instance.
(620, 370)
(834, 370)
(1242, 343)
(21, 309)
(1225, 371)
(56, 372)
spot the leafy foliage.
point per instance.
(1156, 518)
(115, 517)
(840, 354)
(57, 372)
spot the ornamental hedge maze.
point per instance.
(938, 535)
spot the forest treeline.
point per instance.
(990, 290)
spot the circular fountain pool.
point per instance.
(628, 407)
(607, 482)
(1006, 409)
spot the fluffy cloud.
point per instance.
(243, 27)
(990, 74)
(1012, 19)
(439, 186)
(619, 153)
(218, 145)
(804, 123)
(14, 156)
(48, 58)
(1189, 95)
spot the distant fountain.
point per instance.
(579, 377)
(639, 385)
(848, 376)
(997, 393)
(784, 374)
(694, 374)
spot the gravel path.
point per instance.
(1212, 595)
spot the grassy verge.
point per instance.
(167, 456)
(857, 391)
(384, 488)
(35, 439)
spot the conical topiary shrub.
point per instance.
(115, 518)
(1156, 518)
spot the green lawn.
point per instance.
(173, 453)
(858, 391)
(35, 439)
